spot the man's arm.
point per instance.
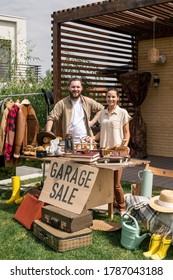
(94, 119)
(54, 115)
(49, 125)
(96, 137)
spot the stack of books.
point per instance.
(89, 157)
(110, 159)
(114, 159)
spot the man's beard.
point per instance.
(74, 97)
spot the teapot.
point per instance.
(130, 234)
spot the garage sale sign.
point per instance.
(68, 184)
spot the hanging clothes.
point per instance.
(26, 128)
(10, 132)
(4, 115)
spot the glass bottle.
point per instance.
(69, 147)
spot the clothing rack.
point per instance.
(44, 93)
(19, 94)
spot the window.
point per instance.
(5, 59)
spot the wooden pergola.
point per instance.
(99, 41)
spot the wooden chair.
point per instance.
(159, 171)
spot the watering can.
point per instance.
(146, 179)
(130, 234)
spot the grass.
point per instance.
(18, 243)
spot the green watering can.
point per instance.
(130, 233)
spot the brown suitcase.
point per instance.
(66, 220)
(60, 240)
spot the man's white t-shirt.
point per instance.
(77, 125)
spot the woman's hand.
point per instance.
(89, 139)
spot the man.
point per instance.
(75, 111)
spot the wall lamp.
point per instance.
(156, 80)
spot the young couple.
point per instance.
(75, 111)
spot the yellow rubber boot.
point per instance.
(154, 245)
(161, 253)
(20, 199)
(15, 189)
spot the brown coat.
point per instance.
(26, 129)
(9, 105)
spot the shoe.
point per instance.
(162, 252)
(19, 200)
(15, 190)
(154, 245)
(116, 211)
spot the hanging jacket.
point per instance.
(26, 129)
(8, 104)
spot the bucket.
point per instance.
(146, 178)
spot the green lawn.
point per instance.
(18, 243)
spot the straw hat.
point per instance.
(43, 134)
(163, 202)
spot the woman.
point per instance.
(114, 130)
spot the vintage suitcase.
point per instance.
(66, 220)
(60, 240)
(29, 210)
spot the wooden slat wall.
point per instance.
(96, 55)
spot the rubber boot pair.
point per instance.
(15, 190)
(158, 247)
(164, 246)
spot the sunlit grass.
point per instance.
(18, 243)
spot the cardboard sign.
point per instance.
(68, 185)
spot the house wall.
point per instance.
(14, 29)
(157, 109)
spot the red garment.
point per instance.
(10, 132)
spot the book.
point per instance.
(110, 159)
(84, 157)
(113, 159)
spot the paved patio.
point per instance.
(131, 174)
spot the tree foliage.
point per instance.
(28, 87)
(23, 81)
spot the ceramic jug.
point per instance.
(130, 234)
(146, 179)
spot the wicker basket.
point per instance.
(117, 151)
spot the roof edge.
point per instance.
(103, 7)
